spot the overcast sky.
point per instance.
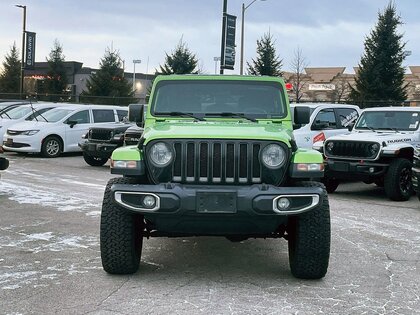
(329, 32)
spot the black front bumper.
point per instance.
(216, 210)
(100, 150)
(354, 169)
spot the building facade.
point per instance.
(332, 84)
(317, 84)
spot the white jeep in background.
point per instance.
(378, 150)
(326, 120)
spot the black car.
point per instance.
(4, 163)
(415, 171)
(100, 142)
(132, 135)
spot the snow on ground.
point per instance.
(51, 197)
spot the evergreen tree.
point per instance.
(267, 62)
(108, 85)
(56, 81)
(380, 79)
(181, 61)
(10, 76)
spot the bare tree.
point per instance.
(297, 79)
(342, 88)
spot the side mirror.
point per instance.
(71, 123)
(136, 114)
(4, 163)
(302, 115)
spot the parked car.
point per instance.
(100, 141)
(200, 170)
(4, 163)
(6, 105)
(60, 129)
(415, 171)
(132, 135)
(326, 120)
(380, 150)
(18, 113)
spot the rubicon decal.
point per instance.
(399, 140)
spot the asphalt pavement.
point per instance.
(50, 260)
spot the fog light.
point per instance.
(371, 170)
(283, 203)
(149, 201)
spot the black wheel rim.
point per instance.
(405, 180)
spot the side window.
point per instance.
(122, 114)
(103, 115)
(325, 119)
(346, 116)
(81, 117)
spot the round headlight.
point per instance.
(329, 147)
(373, 149)
(160, 154)
(273, 156)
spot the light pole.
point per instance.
(23, 49)
(134, 74)
(216, 60)
(222, 53)
(242, 33)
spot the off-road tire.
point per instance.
(331, 184)
(93, 160)
(51, 147)
(121, 234)
(398, 180)
(309, 238)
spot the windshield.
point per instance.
(389, 120)
(54, 115)
(213, 98)
(16, 112)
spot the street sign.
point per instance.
(30, 51)
(229, 51)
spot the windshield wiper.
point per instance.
(39, 114)
(367, 127)
(230, 114)
(390, 128)
(182, 114)
(5, 113)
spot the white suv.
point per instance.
(379, 150)
(60, 129)
(326, 120)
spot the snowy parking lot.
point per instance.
(50, 260)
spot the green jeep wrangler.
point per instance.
(217, 158)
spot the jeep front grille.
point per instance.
(100, 134)
(218, 162)
(349, 149)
